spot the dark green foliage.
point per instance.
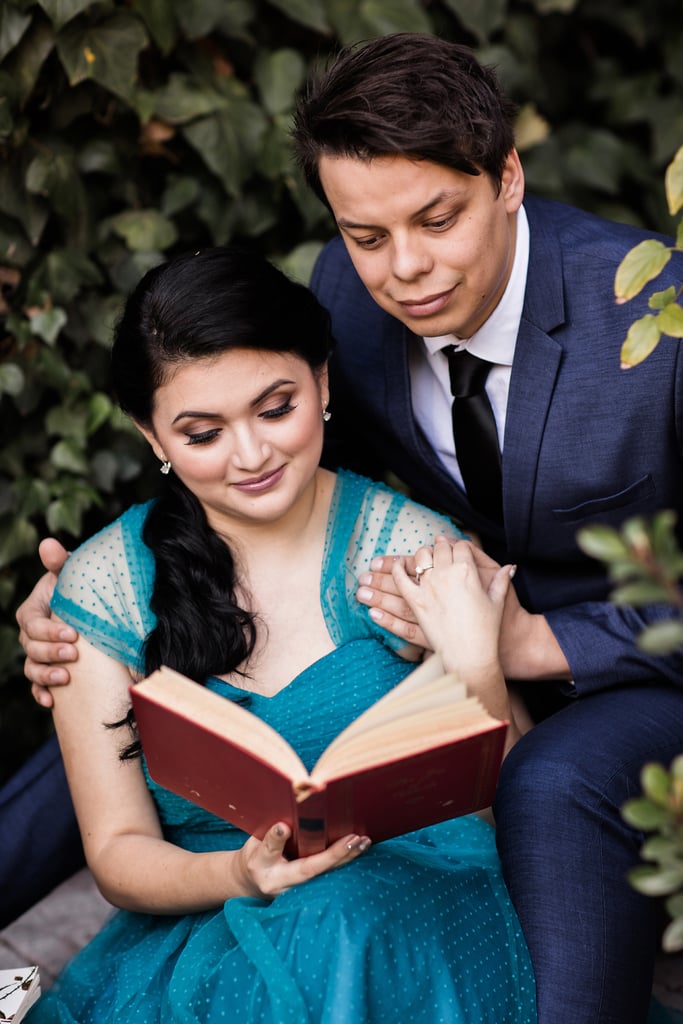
(133, 130)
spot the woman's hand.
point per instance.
(263, 871)
(459, 612)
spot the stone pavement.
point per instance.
(52, 931)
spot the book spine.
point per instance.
(310, 833)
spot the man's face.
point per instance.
(433, 246)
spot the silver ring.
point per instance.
(420, 570)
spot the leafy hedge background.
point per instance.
(132, 130)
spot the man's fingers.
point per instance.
(52, 554)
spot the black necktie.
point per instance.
(475, 433)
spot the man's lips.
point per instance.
(260, 483)
(428, 305)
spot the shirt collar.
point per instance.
(496, 338)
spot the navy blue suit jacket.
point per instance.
(585, 441)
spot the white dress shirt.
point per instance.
(495, 341)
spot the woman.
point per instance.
(242, 575)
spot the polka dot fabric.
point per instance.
(419, 929)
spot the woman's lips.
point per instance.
(429, 305)
(260, 483)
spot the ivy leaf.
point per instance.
(227, 142)
(18, 538)
(481, 19)
(673, 183)
(278, 76)
(60, 12)
(144, 230)
(185, 98)
(639, 266)
(310, 13)
(659, 300)
(13, 24)
(641, 340)
(67, 455)
(385, 16)
(11, 379)
(47, 323)
(106, 52)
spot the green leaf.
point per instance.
(672, 936)
(661, 849)
(601, 542)
(144, 230)
(63, 421)
(107, 52)
(99, 410)
(310, 13)
(670, 320)
(227, 141)
(298, 264)
(656, 783)
(641, 593)
(639, 266)
(62, 11)
(385, 16)
(673, 181)
(67, 455)
(18, 538)
(662, 637)
(13, 24)
(64, 514)
(644, 814)
(159, 17)
(658, 300)
(278, 76)
(47, 324)
(642, 339)
(185, 98)
(11, 379)
(481, 19)
(676, 768)
(653, 881)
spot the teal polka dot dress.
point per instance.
(418, 930)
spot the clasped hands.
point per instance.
(465, 601)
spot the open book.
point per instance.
(426, 751)
(19, 989)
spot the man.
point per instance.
(410, 143)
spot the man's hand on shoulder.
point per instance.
(48, 645)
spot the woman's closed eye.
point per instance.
(204, 437)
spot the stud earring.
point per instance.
(327, 415)
(165, 467)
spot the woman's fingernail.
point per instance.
(377, 614)
(364, 594)
(366, 578)
(513, 570)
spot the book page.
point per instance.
(222, 717)
(19, 990)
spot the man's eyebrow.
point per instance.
(199, 415)
(440, 198)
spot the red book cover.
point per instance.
(424, 753)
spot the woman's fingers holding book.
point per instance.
(266, 872)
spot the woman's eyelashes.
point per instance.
(206, 436)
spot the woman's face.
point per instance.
(243, 430)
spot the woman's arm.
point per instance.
(133, 865)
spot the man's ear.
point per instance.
(512, 182)
(151, 440)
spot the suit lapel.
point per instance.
(534, 375)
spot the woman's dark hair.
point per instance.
(408, 95)
(195, 307)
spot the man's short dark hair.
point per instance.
(406, 94)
